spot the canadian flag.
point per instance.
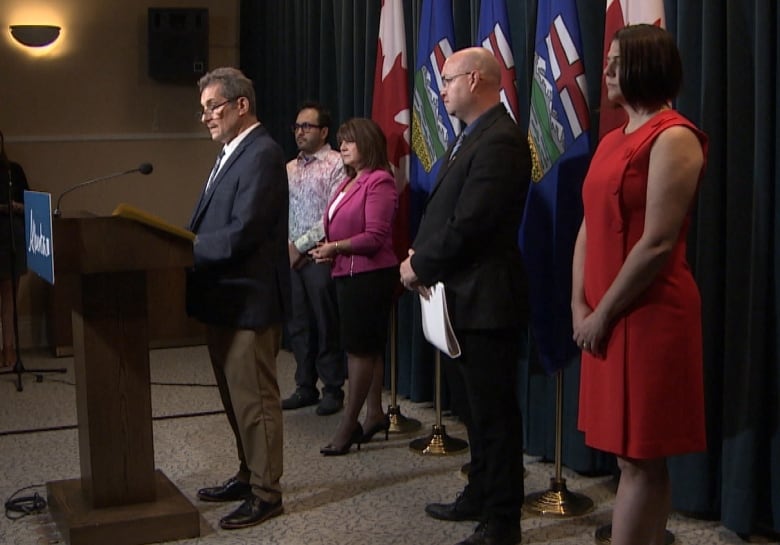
(390, 110)
(619, 14)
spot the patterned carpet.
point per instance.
(375, 496)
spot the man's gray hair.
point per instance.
(234, 84)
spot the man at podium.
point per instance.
(239, 287)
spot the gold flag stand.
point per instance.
(399, 424)
(438, 443)
(558, 500)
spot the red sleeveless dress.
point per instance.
(646, 398)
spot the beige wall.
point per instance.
(85, 107)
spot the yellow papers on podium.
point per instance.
(436, 321)
(130, 212)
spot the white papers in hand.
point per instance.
(436, 321)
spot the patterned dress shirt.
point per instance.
(312, 180)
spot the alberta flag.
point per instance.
(494, 35)
(390, 110)
(558, 135)
(619, 14)
(432, 128)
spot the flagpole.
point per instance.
(438, 443)
(390, 110)
(399, 424)
(558, 500)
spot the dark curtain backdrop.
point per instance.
(296, 50)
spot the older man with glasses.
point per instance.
(239, 288)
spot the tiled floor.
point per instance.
(375, 496)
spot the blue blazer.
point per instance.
(240, 277)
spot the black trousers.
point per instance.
(313, 329)
(488, 365)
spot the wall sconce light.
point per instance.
(35, 35)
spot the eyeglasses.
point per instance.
(305, 127)
(211, 110)
(446, 80)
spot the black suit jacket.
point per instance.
(468, 234)
(241, 273)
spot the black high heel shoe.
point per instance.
(384, 425)
(355, 438)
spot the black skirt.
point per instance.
(364, 303)
(20, 249)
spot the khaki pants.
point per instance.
(244, 363)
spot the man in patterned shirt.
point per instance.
(313, 327)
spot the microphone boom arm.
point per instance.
(145, 168)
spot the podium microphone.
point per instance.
(143, 168)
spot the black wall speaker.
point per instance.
(178, 44)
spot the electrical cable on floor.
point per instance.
(16, 508)
(166, 417)
(75, 426)
(187, 384)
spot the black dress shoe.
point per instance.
(252, 511)
(231, 490)
(461, 509)
(494, 533)
(300, 398)
(331, 403)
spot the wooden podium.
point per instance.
(120, 498)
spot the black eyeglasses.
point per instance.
(210, 110)
(305, 127)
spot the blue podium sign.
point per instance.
(37, 234)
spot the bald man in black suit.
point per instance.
(468, 240)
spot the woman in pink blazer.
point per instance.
(359, 244)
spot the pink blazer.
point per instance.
(365, 217)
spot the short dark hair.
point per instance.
(370, 140)
(650, 65)
(234, 84)
(323, 114)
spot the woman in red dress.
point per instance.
(635, 305)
